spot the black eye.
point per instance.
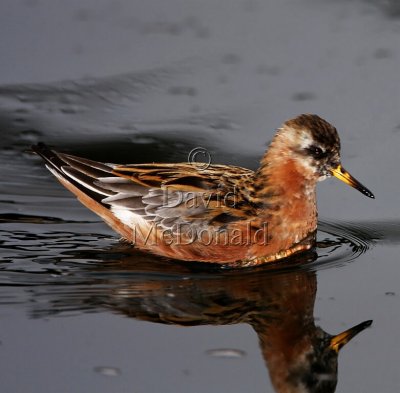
(316, 152)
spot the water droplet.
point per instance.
(108, 371)
(226, 353)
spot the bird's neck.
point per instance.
(282, 178)
(286, 193)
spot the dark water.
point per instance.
(149, 81)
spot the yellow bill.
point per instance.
(345, 177)
(338, 341)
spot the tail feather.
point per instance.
(85, 181)
(98, 169)
(53, 162)
(80, 172)
(80, 176)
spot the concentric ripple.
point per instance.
(342, 242)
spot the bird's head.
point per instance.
(314, 145)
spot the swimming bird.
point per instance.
(215, 213)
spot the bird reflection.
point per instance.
(277, 302)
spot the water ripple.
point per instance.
(37, 244)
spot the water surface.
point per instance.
(149, 81)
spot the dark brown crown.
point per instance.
(321, 131)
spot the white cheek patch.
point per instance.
(302, 140)
(305, 140)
